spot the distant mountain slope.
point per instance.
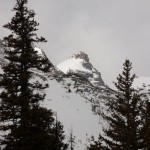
(77, 94)
(79, 63)
(77, 102)
(141, 82)
(74, 112)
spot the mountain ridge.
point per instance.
(79, 63)
(77, 102)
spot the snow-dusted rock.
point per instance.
(79, 64)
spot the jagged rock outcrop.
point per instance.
(79, 63)
(81, 55)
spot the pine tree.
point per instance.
(145, 132)
(124, 121)
(97, 145)
(26, 124)
(58, 136)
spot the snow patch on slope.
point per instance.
(74, 112)
(141, 82)
(73, 64)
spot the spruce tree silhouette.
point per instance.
(27, 125)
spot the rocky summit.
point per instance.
(79, 63)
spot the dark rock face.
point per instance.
(88, 71)
(81, 55)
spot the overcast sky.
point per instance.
(109, 31)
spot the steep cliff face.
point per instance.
(79, 63)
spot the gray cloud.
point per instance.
(108, 31)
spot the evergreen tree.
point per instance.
(58, 136)
(145, 132)
(97, 145)
(124, 121)
(26, 124)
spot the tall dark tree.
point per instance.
(145, 132)
(124, 121)
(26, 124)
(96, 144)
(58, 136)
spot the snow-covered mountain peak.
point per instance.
(79, 64)
(81, 55)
